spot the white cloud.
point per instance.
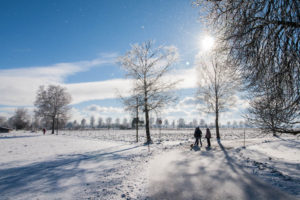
(187, 77)
(18, 86)
(108, 89)
(98, 90)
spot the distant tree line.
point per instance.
(22, 120)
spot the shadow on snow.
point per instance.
(48, 176)
(219, 177)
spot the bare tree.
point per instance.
(217, 86)
(173, 124)
(75, 124)
(21, 118)
(52, 104)
(166, 123)
(36, 122)
(262, 38)
(202, 123)
(133, 104)
(195, 123)
(147, 66)
(117, 123)
(3, 121)
(181, 123)
(92, 122)
(228, 124)
(100, 122)
(269, 113)
(83, 123)
(125, 123)
(108, 122)
(235, 124)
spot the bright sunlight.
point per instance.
(207, 43)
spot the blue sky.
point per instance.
(75, 43)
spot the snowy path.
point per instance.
(184, 174)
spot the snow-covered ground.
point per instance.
(108, 164)
(34, 166)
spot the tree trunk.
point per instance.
(217, 104)
(217, 125)
(137, 118)
(147, 125)
(146, 112)
(57, 124)
(53, 124)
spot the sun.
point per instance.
(207, 43)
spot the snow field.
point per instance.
(36, 166)
(108, 164)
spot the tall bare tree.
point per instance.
(147, 66)
(52, 104)
(217, 86)
(262, 38)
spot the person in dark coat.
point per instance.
(198, 135)
(44, 131)
(208, 136)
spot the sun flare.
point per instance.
(207, 43)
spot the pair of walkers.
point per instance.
(198, 136)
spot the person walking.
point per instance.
(198, 135)
(208, 136)
(44, 131)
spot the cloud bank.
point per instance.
(18, 86)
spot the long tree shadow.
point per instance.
(14, 137)
(47, 176)
(230, 160)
